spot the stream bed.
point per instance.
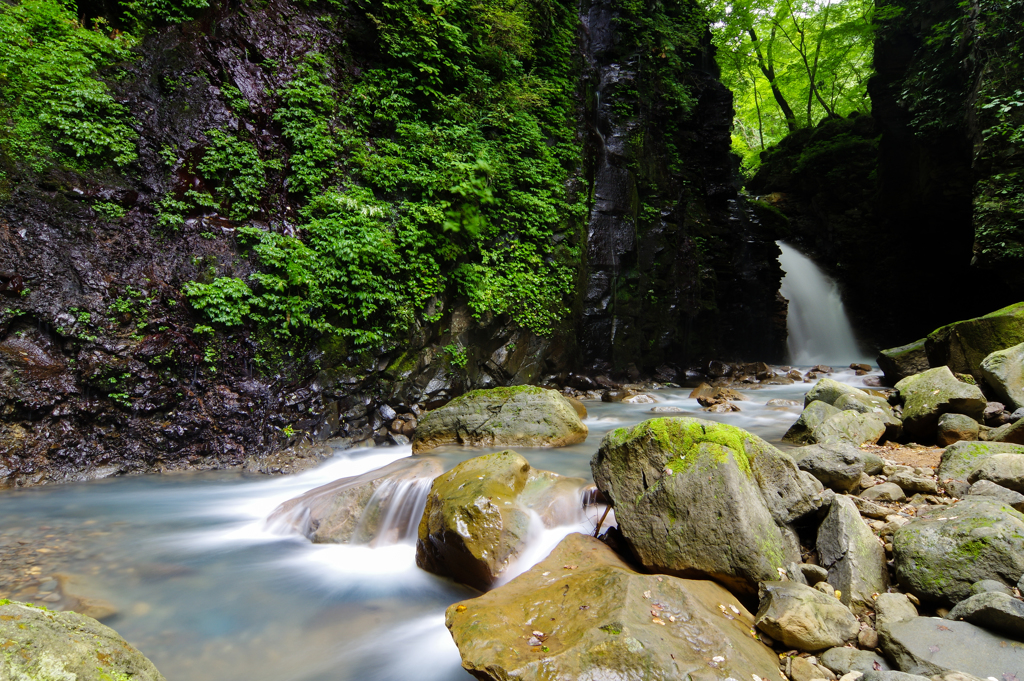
(209, 594)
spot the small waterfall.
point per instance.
(819, 331)
(392, 516)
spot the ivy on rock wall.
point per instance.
(444, 165)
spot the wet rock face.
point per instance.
(677, 266)
(582, 613)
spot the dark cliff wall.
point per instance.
(325, 231)
(918, 211)
(677, 268)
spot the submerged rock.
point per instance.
(478, 515)
(933, 393)
(359, 508)
(582, 613)
(65, 646)
(945, 550)
(521, 416)
(804, 618)
(684, 488)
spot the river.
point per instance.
(209, 594)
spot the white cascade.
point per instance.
(819, 331)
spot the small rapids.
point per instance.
(211, 587)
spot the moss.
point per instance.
(615, 628)
(683, 437)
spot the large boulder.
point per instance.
(1006, 470)
(945, 550)
(997, 612)
(956, 428)
(928, 646)
(837, 466)
(1003, 371)
(828, 391)
(929, 395)
(866, 403)
(65, 646)
(960, 459)
(804, 618)
(477, 516)
(906, 360)
(853, 556)
(962, 346)
(520, 416)
(699, 498)
(850, 427)
(813, 415)
(355, 509)
(582, 613)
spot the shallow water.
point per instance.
(206, 592)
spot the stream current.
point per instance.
(208, 593)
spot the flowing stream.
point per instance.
(819, 330)
(210, 593)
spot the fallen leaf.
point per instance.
(658, 620)
(647, 594)
(460, 608)
(569, 567)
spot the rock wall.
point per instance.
(106, 366)
(678, 268)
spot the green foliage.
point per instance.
(442, 168)
(147, 13)
(457, 355)
(110, 211)
(791, 63)
(53, 107)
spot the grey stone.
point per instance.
(928, 646)
(813, 573)
(997, 612)
(955, 428)
(870, 509)
(836, 466)
(853, 556)
(828, 391)
(945, 550)
(813, 415)
(1003, 370)
(894, 607)
(59, 646)
(914, 484)
(850, 427)
(987, 488)
(803, 618)
(1003, 469)
(960, 459)
(887, 491)
(520, 416)
(845, 660)
(990, 586)
(878, 407)
(1017, 415)
(905, 360)
(1012, 433)
(892, 676)
(932, 393)
(683, 488)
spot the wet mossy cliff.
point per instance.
(226, 230)
(919, 209)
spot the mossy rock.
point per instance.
(850, 427)
(828, 391)
(477, 516)
(961, 458)
(56, 646)
(519, 416)
(1003, 371)
(814, 414)
(962, 346)
(943, 552)
(905, 360)
(700, 498)
(582, 613)
(929, 395)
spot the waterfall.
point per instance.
(819, 331)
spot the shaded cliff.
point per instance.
(282, 223)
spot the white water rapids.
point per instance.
(205, 590)
(819, 330)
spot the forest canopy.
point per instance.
(790, 64)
